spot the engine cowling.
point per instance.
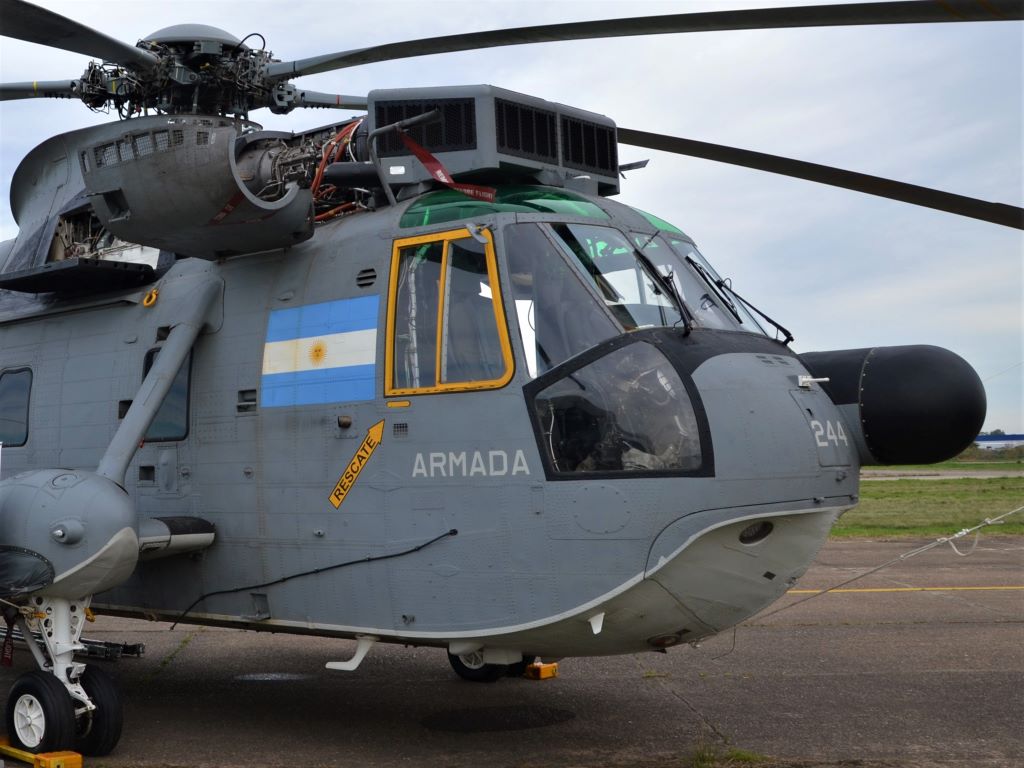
(904, 405)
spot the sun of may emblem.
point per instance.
(317, 352)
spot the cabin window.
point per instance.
(171, 421)
(15, 387)
(446, 323)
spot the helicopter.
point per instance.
(410, 377)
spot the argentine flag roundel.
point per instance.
(320, 353)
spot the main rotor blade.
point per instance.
(53, 89)
(905, 12)
(996, 213)
(304, 98)
(33, 24)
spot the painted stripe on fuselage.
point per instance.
(318, 353)
(334, 385)
(324, 319)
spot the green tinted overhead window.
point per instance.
(448, 205)
(660, 224)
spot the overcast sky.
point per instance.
(935, 105)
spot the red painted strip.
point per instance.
(439, 172)
(228, 208)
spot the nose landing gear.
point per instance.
(64, 705)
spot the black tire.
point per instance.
(97, 732)
(40, 716)
(471, 667)
(519, 668)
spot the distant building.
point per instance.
(998, 442)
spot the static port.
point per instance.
(756, 532)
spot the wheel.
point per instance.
(97, 732)
(519, 668)
(471, 666)
(40, 716)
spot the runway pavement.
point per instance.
(921, 664)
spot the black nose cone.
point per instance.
(920, 404)
(917, 404)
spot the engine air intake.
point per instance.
(496, 136)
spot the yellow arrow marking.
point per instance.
(348, 478)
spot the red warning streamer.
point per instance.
(439, 172)
(7, 654)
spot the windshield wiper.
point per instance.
(718, 286)
(667, 282)
(752, 308)
(722, 288)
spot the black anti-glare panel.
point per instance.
(587, 146)
(455, 131)
(524, 131)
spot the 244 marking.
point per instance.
(829, 433)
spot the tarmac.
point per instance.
(919, 664)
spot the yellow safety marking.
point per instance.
(43, 759)
(447, 238)
(398, 403)
(348, 478)
(35, 87)
(540, 671)
(904, 589)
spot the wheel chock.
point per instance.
(541, 671)
(43, 759)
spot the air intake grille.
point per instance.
(455, 131)
(526, 131)
(366, 277)
(588, 146)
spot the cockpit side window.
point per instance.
(446, 323)
(626, 412)
(558, 316)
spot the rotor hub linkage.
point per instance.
(196, 77)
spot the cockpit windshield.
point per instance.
(705, 302)
(628, 283)
(576, 285)
(688, 253)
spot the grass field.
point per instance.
(960, 466)
(933, 507)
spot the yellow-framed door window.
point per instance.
(446, 322)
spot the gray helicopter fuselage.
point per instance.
(523, 554)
